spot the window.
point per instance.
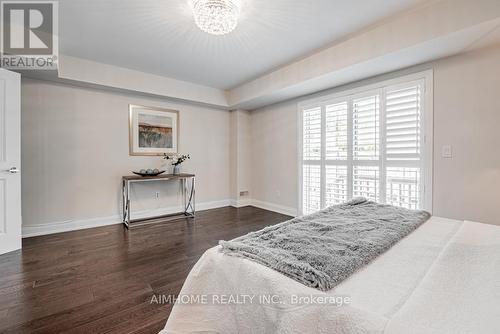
(373, 142)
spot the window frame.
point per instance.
(425, 78)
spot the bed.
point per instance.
(442, 278)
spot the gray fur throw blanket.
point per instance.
(322, 249)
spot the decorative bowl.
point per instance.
(149, 172)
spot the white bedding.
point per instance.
(443, 278)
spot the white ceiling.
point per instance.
(160, 37)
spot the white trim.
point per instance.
(300, 161)
(350, 148)
(239, 203)
(70, 225)
(322, 169)
(426, 77)
(81, 224)
(383, 146)
(285, 210)
(428, 138)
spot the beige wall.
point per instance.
(466, 116)
(240, 157)
(274, 132)
(75, 150)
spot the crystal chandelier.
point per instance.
(217, 17)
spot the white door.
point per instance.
(10, 161)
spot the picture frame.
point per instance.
(153, 131)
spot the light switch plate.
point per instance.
(446, 151)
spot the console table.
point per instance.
(188, 193)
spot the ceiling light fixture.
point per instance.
(217, 17)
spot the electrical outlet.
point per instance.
(447, 151)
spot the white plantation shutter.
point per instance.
(403, 130)
(336, 131)
(403, 123)
(368, 144)
(311, 180)
(366, 147)
(336, 152)
(366, 182)
(312, 133)
(366, 127)
(312, 188)
(403, 187)
(336, 185)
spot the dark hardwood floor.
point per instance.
(102, 280)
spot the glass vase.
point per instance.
(177, 169)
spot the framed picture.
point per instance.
(153, 131)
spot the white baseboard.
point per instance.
(239, 203)
(286, 210)
(69, 225)
(81, 224)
